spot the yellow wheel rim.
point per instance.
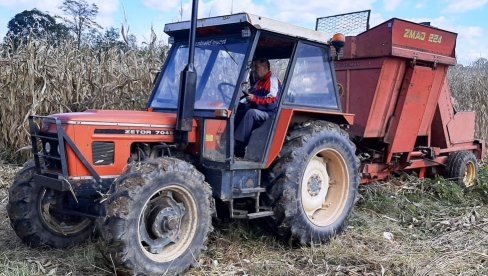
(469, 178)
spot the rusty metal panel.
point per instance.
(350, 49)
(435, 91)
(419, 55)
(386, 96)
(444, 113)
(376, 42)
(358, 79)
(370, 90)
(461, 127)
(438, 131)
(409, 112)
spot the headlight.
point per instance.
(47, 147)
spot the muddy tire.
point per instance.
(462, 168)
(32, 212)
(158, 218)
(312, 186)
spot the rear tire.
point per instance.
(462, 168)
(32, 212)
(312, 186)
(158, 219)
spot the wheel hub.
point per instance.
(314, 185)
(165, 223)
(161, 227)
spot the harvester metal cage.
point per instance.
(348, 24)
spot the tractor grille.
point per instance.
(103, 153)
(51, 158)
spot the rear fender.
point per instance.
(289, 117)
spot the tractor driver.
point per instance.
(258, 106)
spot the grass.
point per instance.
(404, 227)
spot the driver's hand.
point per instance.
(250, 97)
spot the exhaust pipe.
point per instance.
(188, 86)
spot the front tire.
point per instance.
(158, 219)
(313, 184)
(36, 217)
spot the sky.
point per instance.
(468, 18)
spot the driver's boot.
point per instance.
(239, 149)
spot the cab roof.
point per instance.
(255, 21)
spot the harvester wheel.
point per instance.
(313, 184)
(158, 218)
(36, 215)
(462, 167)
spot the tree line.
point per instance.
(77, 25)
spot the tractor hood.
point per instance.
(119, 117)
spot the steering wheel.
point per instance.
(222, 91)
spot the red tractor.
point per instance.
(151, 180)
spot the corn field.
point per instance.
(40, 79)
(469, 86)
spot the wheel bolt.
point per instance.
(170, 224)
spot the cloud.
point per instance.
(223, 7)
(3, 26)
(305, 14)
(375, 19)
(50, 6)
(220, 7)
(106, 11)
(459, 6)
(391, 5)
(165, 5)
(107, 6)
(471, 43)
(289, 11)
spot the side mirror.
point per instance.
(338, 41)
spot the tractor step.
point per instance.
(239, 214)
(242, 214)
(249, 190)
(260, 214)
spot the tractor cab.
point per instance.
(225, 49)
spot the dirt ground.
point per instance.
(404, 227)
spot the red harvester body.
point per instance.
(393, 77)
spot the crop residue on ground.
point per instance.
(403, 227)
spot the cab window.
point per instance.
(312, 82)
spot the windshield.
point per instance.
(218, 63)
